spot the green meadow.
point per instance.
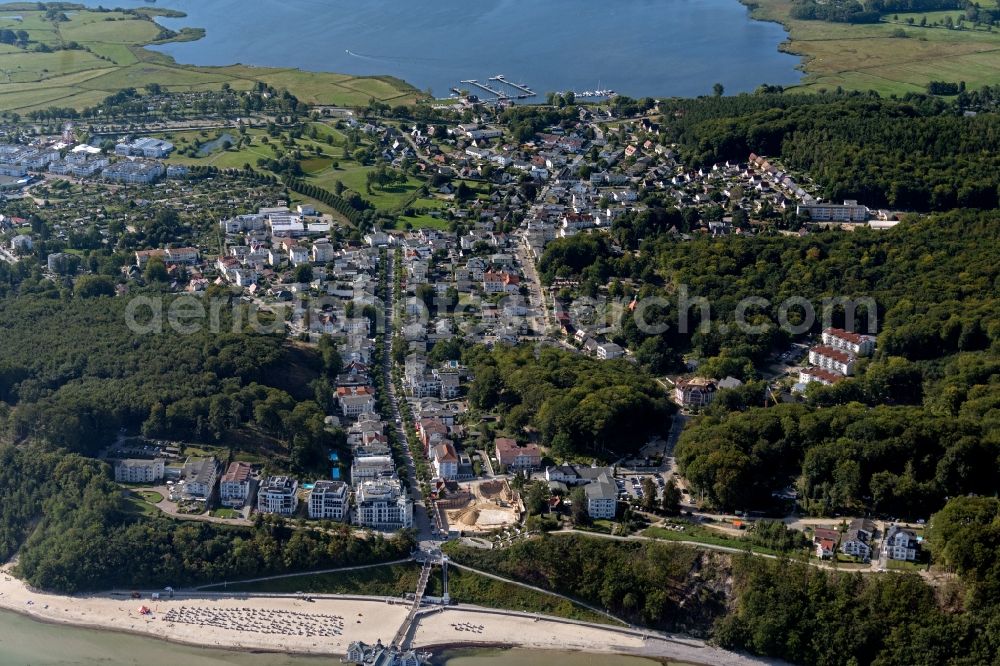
(874, 57)
(110, 55)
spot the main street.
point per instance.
(538, 311)
(421, 518)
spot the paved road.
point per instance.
(536, 296)
(7, 256)
(709, 546)
(421, 519)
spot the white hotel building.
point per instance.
(278, 495)
(832, 359)
(382, 505)
(139, 471)
(329, 500)
(855, 343)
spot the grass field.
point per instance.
(135, 504)
(869, 57)
(225, 512)
(422, 219)
(112, 57)
(151, 496)
(353, 176)
(706, 535)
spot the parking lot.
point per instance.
(630, 486)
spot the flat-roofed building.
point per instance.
(383, 505)
(849, 211)
(368, 468)
(329, 500)
(139, 471)
(279, 495)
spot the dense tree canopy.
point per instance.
(915, 154)
(96, 376)
(84, 535)
(642, 582)
(871, 11)
(806, 615)
(965, 535)
(894, 460)
(578, 405)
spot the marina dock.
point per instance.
(519, 90)
(523, 90)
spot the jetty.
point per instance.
(482, 86)
(523, 90)
(517, 90)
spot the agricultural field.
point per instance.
(872, 57)
(110, 56)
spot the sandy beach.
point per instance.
(282, 624)
(327, 625)
(470, 626)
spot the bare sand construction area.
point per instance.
(481, 507)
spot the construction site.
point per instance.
(480, 507)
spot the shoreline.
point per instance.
(788, 45)
(327, 625)
(438, 650)
(404, 86)
(195, 34)
(107, 612)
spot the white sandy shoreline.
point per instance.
(327, 625)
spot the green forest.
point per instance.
(62, 514)
(933, 283)
(890, 460)
(85, 535)
(852, 11)
(917, 153)
(645, 583)
(579, 406)
(774, 608)
(917, 423)
(97, 377)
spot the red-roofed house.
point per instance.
(825, 548)
(237, 485)
(832, 359)
(855, 343)
(445, 461)
(824, 377)
(431, 431)
(694, 391)
(516, 458)
(493, 283)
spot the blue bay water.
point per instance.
(636, 47)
